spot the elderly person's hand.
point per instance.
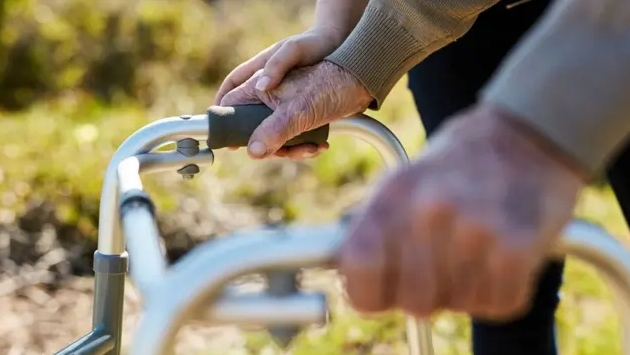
(266, 70)
(304, 49)
(334, 20)
(467, 226)
(307, 98)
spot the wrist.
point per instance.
(338, 17)
(360, 95)
(506, 123)
(497, 124)
(548, 147)
(333, 35)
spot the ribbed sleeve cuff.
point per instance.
(378, 52)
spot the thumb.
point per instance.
(245, 94)
(272, 133)
(288, 56)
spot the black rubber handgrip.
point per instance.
(232, 127)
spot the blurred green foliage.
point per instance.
(77, 77)
(118, 49)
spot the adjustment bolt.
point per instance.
(185, 117)
(188, 147)
(189, 171)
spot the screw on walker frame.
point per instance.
(194, 287)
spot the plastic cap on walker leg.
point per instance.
(283, 336)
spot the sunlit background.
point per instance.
(79, 76)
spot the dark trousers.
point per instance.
(447, 82)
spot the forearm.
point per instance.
(394, 35)
(340, 15)
(569, 79)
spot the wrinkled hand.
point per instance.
(301, 50)
(276, 61)
(307, 98)
(466, 227)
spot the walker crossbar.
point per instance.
(196, 285)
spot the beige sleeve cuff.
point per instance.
(394, 35)
(378, 52)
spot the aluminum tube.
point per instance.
(148, 263)
(202, 275)
(142, 141)
(261, 309)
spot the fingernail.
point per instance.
(307, 155)
(311, 152)
(263, 83)
(257, 149)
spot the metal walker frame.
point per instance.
(195, 286)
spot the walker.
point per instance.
(195, 286)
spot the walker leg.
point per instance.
(96, 342)
(109, 294)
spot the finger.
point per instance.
(244, 94)
(273, 132)
(369, 256)
(482, 296)
(306, 151)
(418, 287)
(362, 262)
(299, 153)
(282, 152)
(284, 59)
(512, 273)
(468, 253)
(302, 151)
(244, 71)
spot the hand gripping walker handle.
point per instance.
(233, 126)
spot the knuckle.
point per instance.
(293, 44)
(278, 127)
(274, 65)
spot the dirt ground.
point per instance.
(36, 320)
(46, 287)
